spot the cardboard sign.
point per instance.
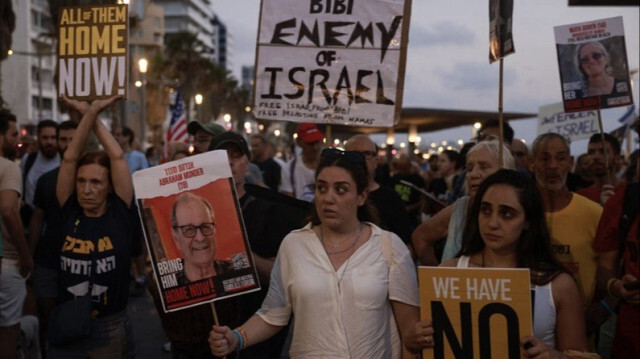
(92, 51)
(338, 62)
(476, 312)
(194, 231)
(573, 125)
(500, 29)
(592, 58)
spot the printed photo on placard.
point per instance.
(92, 51)
(194, 231)
(592, 58)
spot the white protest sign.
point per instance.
(573, 125)
(337, 62)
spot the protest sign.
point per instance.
(573, 125)
(476, 312)
(592, 58)
(336, 62)
(92, 51)
(500, 29)
(194, 231)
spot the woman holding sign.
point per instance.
(483, 160)
(347, 281)
(89, 256)
(506, 229)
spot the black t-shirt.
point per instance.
(77, 241)
(408, 194)
(44, 198)
(392, 212)
(270, 173)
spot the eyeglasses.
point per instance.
(595, 56)
(368, 154)
(334, 153)
(190, 231)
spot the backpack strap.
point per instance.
(292, 177)
(31, 159)
(385, 238)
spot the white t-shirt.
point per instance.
(10, 180)
(40, 166)
(344, 313)
(304, 180)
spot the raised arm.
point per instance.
(120, 175)
(68, 165)
(428, 233)
(67, 174)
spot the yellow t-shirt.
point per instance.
(572, 231)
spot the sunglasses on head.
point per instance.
(334, 153)
(595, 56)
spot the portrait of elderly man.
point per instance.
(194, 230)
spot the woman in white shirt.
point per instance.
(347, 281)
(506, 229)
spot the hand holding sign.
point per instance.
(97, 106)
(420, 336)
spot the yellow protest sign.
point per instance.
(92, 51)
(476, 312)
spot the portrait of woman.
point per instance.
(594, 63)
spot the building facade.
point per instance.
(193, 16)
(28, 73)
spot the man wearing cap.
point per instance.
(298, 176)
(202, 134)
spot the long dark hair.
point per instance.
(357, 168)
(533, 250)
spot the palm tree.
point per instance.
(7, 25)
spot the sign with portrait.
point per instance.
(500, 29)
(194, 231)
(92, 51)
(476, 312)
(331, 61)
(594, 72)
(573, 125)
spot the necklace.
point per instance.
(357, 238)
(337, 245)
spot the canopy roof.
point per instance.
(429, 119)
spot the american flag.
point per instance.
(178, 125)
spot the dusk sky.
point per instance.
(447, 58)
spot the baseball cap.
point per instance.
(309, 133)
(210, 128)
(230, 137)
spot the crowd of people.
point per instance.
(336, 236)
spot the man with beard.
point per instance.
(572, 219)
(9, 134)
(14, 252)
(45, 209)
(38, 163)
(606, 183)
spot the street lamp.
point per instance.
(198, 99)
(143, 67)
